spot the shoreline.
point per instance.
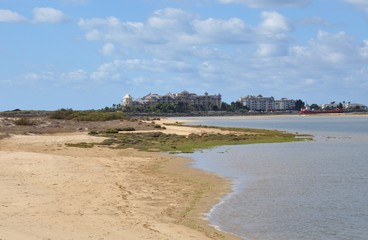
(150, 194)
(235, 117)
(219, 188)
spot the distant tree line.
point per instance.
(105, 114)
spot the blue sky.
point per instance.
(87, 54)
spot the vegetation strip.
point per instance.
(173, 143)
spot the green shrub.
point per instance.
(128, 129)
(112, 131)
(110, 141)
(62, 114)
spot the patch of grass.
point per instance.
(110, 142)
(93, 132)
(111, 131)
(80, 145)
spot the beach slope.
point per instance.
(51, 191)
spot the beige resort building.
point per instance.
(190, 100)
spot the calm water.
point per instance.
(291, 191)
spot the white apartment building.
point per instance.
(284, 104)
(261, 103)
(258, 103)
(329, 105)
(345, 105)
(350, 105)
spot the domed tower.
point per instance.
(127, 101)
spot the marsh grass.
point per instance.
(80, 145)
(173, 143)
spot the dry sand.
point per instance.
(50, 191)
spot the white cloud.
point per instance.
(364, 49)
(108, 49)
(126, 70)
(274, 23)
(108, 71)
(92, 22)
(113, 30)
(42, 77)
(31, 76)
(269, 3)
(7, 82)
(271, 50)
(52, 78)
(10, 16)
(170, 18)
(361, 4)
(339, 48)
(93, 35)
(49, 15)
(74, 76)
(316, 20)
(332, 60)
(175, 30)
(229, 31)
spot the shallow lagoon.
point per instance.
(300, 190)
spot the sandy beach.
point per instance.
(51, 191)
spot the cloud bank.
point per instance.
(214, 50)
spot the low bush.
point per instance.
(62, 114)
(112, 131)
(128, 129)
(25, 122)
(80, 145)
(110, 141)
